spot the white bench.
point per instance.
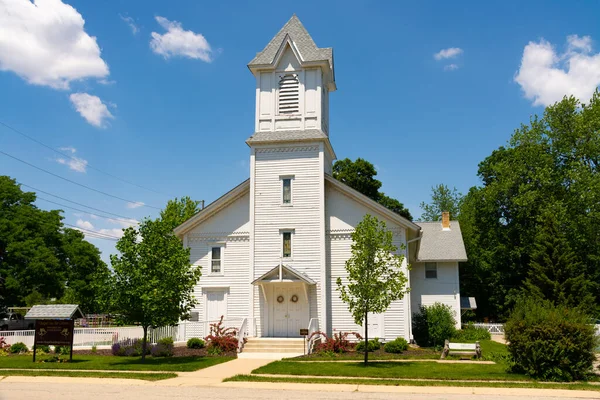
(462, 349)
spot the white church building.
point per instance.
(272, 248)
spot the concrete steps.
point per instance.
(290, 346)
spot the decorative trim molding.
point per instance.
(287, 149)
(222, 236)
(348, 232)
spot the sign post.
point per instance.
(54, 332)
(304, 332)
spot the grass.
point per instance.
(86, 374)
(530, 384)
(96, 362)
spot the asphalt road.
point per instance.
(78, 391)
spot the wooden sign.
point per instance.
(55, 332)
(303, 332)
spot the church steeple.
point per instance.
(293, 80)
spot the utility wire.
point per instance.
(130, 221)
(97, 235)
(74, 202)
(75, 183)
(76, 159)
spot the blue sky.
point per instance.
(158, 93)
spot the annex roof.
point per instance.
(295, 136)
(283, 273)
(54, 311)
(305, 45)
(438, 244)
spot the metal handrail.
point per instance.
(313, 326)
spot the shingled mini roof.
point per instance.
(55, 311)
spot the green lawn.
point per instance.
(94, 362)
(85, 374)
(356, 381)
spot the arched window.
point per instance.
(289, 91)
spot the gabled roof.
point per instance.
(54, 311)
(283, 273)
(213, 208)
(299, 36)
(371, 203)
(438, 244)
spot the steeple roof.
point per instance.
(305, 45)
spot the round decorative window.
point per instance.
(294, 299)
(280, 299)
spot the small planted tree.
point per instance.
(375, 276)
(153, 280)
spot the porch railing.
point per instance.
(313, 326)
(494, 329)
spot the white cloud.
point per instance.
(84, 224)
(91, 108)
(450, 67)
(450, 52)
(70, 149)
(136, 204)
(547, 76)
(178, 42)
(132, 25)
(44, 42)
(125, 223)
(89, 227)
(76, 164)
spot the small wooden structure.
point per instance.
(461, 349)
(54, 325)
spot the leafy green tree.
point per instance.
(153, 280)
(442, 199)
(360, 176)
(556, 274)
(375, 276)
(178, 211)
(550, 164)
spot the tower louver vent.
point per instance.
(289, 94)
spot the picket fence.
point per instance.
(106, 337)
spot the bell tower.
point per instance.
(294, 78)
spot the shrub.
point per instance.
(195, 343)
(338, 343)
(166, 341)
(44, 348)
(129, 348)
(224, 339)
(19, 348)
(396, 346)
(94, 349)
(549, 342)
(432, 325)
(62, 350)
(471, 333)
(162, 350)
(3, 344)
(214, 351)
(374, 344)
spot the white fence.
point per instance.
(88, 337)
(494, 329)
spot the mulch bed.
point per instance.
(177, 352)
(381, 354)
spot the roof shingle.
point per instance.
(441, 245)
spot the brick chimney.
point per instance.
(445, 220)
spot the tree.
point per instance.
(375, 277)
(360, 176)
(178, 211)
(153, 280)
(442, 199)
(556, 274)
(39, 258)
(551, 164)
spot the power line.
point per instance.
(97, 235)
(74, 202)
(76, 159)
(87, 212)
(75, 183)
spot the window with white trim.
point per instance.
(286, 244)
(289, 94)
(286, 190)
(431, 270)
(216, 260)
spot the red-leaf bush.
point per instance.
(221, 339)
(338, 343)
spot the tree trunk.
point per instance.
(366, 337)
(144, 343)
